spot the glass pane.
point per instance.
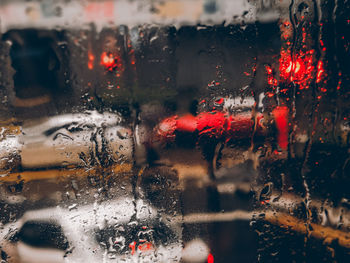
(174, 131)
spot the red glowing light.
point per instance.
(300, 67)
(270, 77)
(132, 246)
(211, 124)
(281, 117)
(109, 61)
(220, 125)
(219, 101)
(145, 247)
(210, 258)
(270, 94)
(264, 202)
(320, 71)
(339, 83)
(186, 123)
(299, 70)
(268, 69)
(91, 59)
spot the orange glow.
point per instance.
(91, 59)
(269, 70)
(270, 94)
(109, 61)
(270, 76)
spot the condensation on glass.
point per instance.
(174, 131)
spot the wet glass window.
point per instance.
(174, 131)
(43, 235)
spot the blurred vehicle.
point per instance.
(70, 139)
(121, 230)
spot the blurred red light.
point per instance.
(210, 258)
(91, 59)
(220, 125)
(132, 246)
(109, 61)
(145, 247)
(297, 67)
(320, 71)
(281, 116)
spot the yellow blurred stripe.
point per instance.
(27, 176)
(327, 234)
